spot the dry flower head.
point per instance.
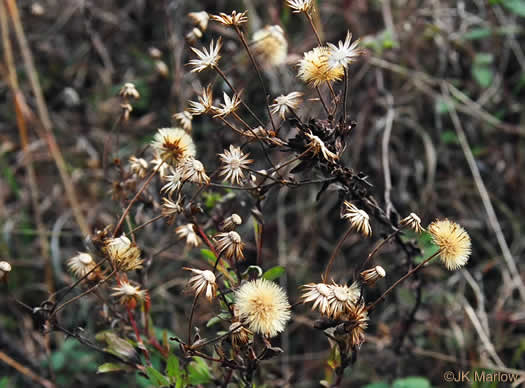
(234, 161)
(270, 45)
(188, 233)
(453, 242)
(230, 244)
(314, 68)
(173, 145)
(358, 218)
(203, 281)
(263, 306)
(124, 255)
(82, 264)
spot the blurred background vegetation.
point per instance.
(452, 73)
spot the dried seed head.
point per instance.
(5, 268)
(263, 306)
(82, 264)
(317, 146)
(124, 255)
(318, 294)
(171, 208)
(357, 318)
(184, 118)
(413, 222)
(173, 145)
(155, 53)
(203, 282)
(231, 222)
(188, 232)
(358, 218)
(208, 59)
(129, 294)
(239, 334)
(314, 68)
(343, 54)
(200, 19)
(193, 36)
(204, 103)
(453, 242)
(371, 275)
(298, 6)
(193, 170)
(270, 45)
(173, 181)
(230, 105)
(230, 244)
(286, 103)
(342, 298)
(235, 19)
(160, 166)
(138, 166)
(233, 163)
(129, 91)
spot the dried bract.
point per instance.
(286, 103)
(234, 19)
(124, 255)
(82, 264)
(231, 222)
(184, 118)
(138, 166)
(370, 276)
(200, 19)
(188, 232)
(358, 218)
(230, 244)
(203, 281)
(413, 222)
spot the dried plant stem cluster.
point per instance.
(250, 308)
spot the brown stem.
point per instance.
(322, 101)
(376, 249)
(335, 252)
(190, 323)
(254, 62)
(141, 190)
(373, 305)
(145, 224)
(83, 294)
(309, 17)
(223, 76)
(137, 334)
(344, 94)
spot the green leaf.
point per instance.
(477, 33)
(199, 372)
(208, 255)
(4, 382)
(274, 273)
(111, 367)
(173, 366)
(515, 6)
(381, 384)
(483, 75)
(412, 382)
(442, 106)
(449, 137)
(156, 377)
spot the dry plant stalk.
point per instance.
(253, 309)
